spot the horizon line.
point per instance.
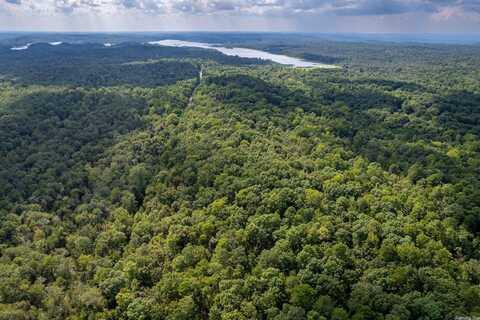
(238, 31)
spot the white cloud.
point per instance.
(235, 12)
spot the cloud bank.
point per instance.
(304, 15)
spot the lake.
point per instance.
(243, 53)
(239, 52)
(28, 45)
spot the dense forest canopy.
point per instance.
(132, 188)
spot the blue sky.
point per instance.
(422, 16)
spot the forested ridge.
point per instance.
(132, 189)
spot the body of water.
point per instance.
(239, 52)
(25, 47)
(243, 53)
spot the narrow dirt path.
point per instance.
(199, 80)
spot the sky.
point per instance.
(323, 16)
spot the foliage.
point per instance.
(254, 193)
